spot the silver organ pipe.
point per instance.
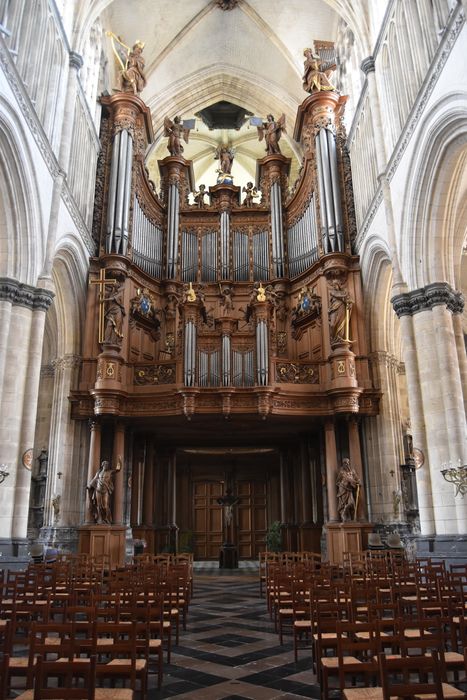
(260, 256)
(189, 370)
(324, 217)
(119, 193)
(147, 243)
(329, 188)
(127, 194)
(302, 241)
(336, 193)
(262, 353)
(225, 245)
(226, 365)
(189, 256)
(209, 256)
(241, 263)
(173, 211)
(328, 198)
(277, 230)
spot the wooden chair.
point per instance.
(357, 647)
(120, 655)
(412, 678)
(58, 680)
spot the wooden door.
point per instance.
(207, 531)
(252, 523)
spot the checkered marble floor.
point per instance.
(230, 649)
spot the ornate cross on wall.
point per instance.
(102, 281)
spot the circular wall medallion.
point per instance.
(27, 459)
(419, 458)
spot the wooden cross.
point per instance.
(102, 281)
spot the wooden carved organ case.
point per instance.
(217, 308)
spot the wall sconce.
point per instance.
(3, 473)
(456, 475)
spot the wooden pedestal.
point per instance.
(346, 537)
(104, 540)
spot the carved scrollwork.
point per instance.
(295, 373)
(154, 374)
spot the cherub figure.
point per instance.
(271, 131)
(175, 130)
(199, 197)
(250, 192)
(131, 64)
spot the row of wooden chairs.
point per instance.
(61, 604)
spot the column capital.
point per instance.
(75, 60)
(368, 65)
(426, 298)
(20, 294)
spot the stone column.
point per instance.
(94, 461)
(283, 487)
(61, 447)
(118, 463)
(434, 378)
(461, 354)
(24, 310)
(331, 469)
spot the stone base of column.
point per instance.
(346, 537)
(104, 540)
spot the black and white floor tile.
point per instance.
(230, 650)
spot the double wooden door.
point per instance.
(249, 518)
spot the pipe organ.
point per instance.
(226, 297)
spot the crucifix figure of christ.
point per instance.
(228, 501)
(102, 281)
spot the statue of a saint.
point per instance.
(348, 489)
(225, 157)
(100, 488)
(131, 64)
(175, 130)
(315, 79)
(271, 131)
(113, 314)
(226, 299)
(340, 308)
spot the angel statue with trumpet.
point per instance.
(131, 63)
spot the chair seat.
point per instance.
(449, 691)
(453, 657)
(154, 643)
(140, 663)
(363, 693)
(333, 661)
(325, 635)
(19, 662)
(113, 694)
(302, 624)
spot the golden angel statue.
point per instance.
(131, 63)
(271, 130)
(176, 130)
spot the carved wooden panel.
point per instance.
(207, 519)
(252, 523)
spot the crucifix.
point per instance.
(102, 281)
